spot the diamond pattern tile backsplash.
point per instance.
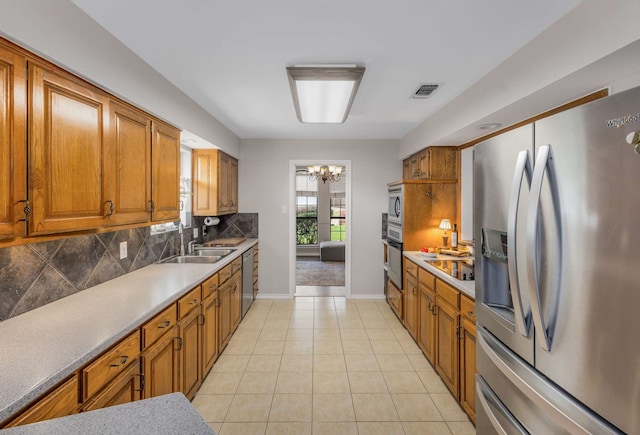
(36, 274)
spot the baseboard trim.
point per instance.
(367, 296)
(274, 296)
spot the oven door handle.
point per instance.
(395, 244)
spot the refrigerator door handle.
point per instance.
(543, 161)
(523, 167)
(490, 402)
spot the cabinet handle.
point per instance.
(213, 286)
(433, 309)
(123, 361)
(152, 206)
(219, 302)
(111, 208)
(414, 291)
(235, 287)
(142, 381)
(26, 210)
(458, 336)
(471, 314)
(193, 302)
(429, 306)
(164, 324)
(203, 319)
(181, 343)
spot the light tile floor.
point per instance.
(326, 365)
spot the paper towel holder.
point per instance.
(209, 221)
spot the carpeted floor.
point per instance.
(311, 272)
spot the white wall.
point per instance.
(63, 34)
(264, 188)
(547, 72)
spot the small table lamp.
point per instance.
(445, 224)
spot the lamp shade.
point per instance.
(445, 224)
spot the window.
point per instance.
(306, 210)
(338, 210)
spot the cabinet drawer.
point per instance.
(427, 279)
(236, 265)
(124, 388)
(209, 286)
(468, 308)
(188, 302)
(394, 297)
(448, 293)
(224, 274)
(159, 325)
(62, 401)
(411, 268)
(97, 374)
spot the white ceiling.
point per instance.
(230, 56)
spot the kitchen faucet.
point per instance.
(191, 246)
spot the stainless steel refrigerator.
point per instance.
(557, 229)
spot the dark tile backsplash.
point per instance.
(36, 274)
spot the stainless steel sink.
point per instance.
(182, 259)
(213, 252)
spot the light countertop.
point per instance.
(466, 287)
(42, 347)
(163, 415)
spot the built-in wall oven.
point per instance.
(394, 234)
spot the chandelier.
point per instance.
(324, 173)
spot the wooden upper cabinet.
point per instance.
(165, 180)
(215, 183)
(432, 163)
(130, 169)
(13, 144)
(67, 153)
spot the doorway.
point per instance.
(319, 229)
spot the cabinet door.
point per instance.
(443, 163)
(13, 143)
(60, 402)
(427, 320)
(67, 153)
(236, 299)
(468, 367)
(224, 177)
(411, 305)
(233, 185)
(130, 171)
(165, 169)
(205, 182)
(161, 366)
(209, 334)
(189, 330)
(423, 165)
(224, 316)
(447, 346)
(406, 169)
(123, 389)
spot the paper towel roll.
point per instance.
(208, 221)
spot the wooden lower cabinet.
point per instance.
(63, 400)
(446, 361)
(410, 292)
(427, 321)
(224, 315)
(209, 332)
(189, 347)
(160, 364)
(467, 337)
(236, 299)
(125, 388)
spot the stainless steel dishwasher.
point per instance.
(247, 280)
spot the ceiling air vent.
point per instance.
(424, 91)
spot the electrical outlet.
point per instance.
(123, 250)
(195, 233)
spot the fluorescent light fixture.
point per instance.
(324, 93)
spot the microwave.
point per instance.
(396, 194)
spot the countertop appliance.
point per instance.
(247, 281)
(557, 331)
